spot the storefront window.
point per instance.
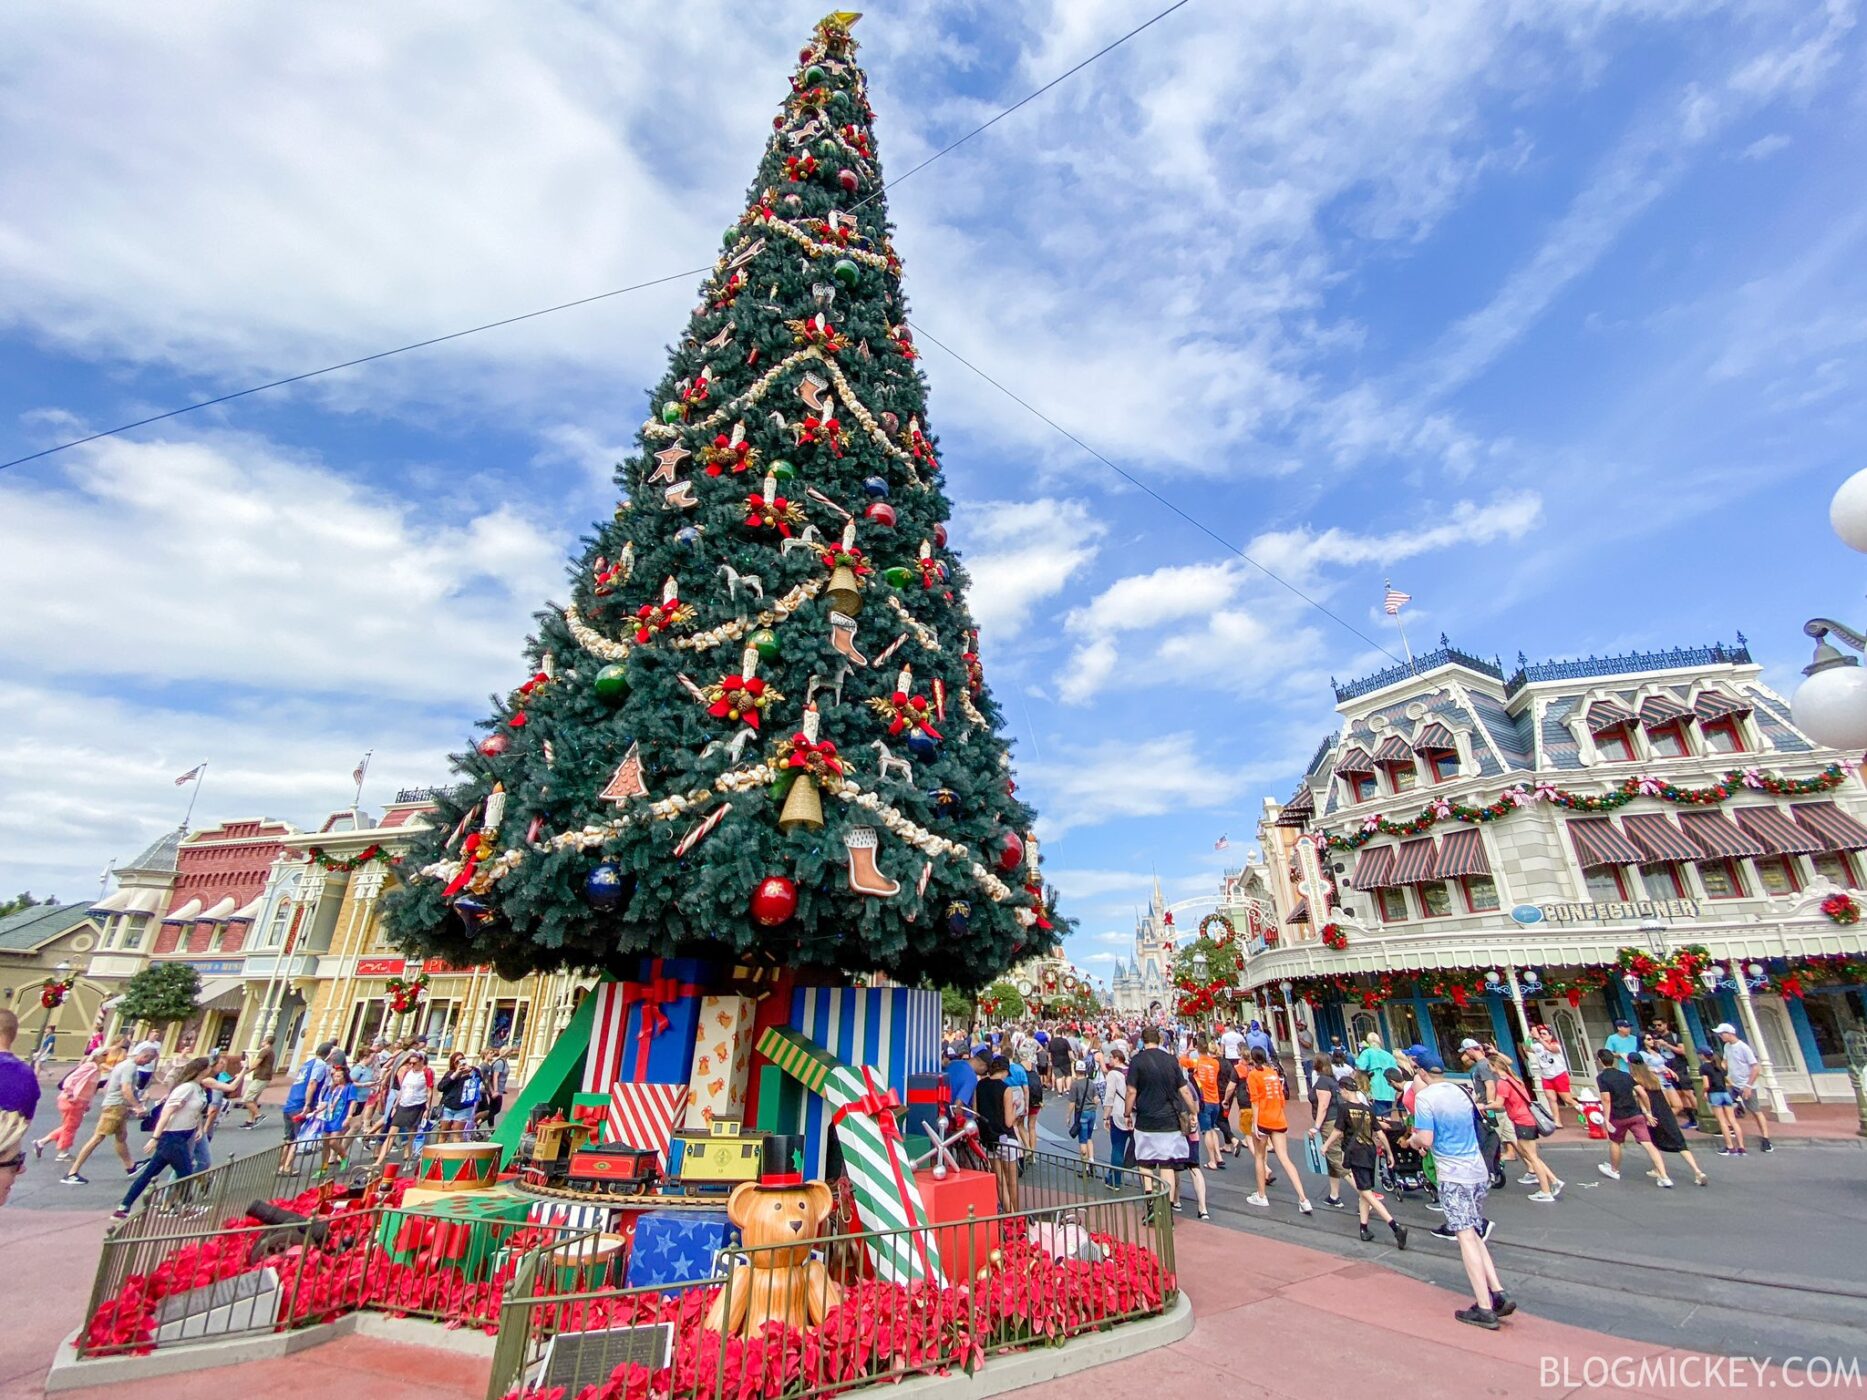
(1480, 893)
(1403, 1025)
(1836, 867)
(1831, 1016)
(1662, 882)
(1435, 902)
(1604, 884)
(1393, 904)
(1720, 879)
(1776, 875)
(1452, 1024)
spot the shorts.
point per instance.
(1464, 1205)
(1363, 1170)
(1720, 1098)
(1506, 1130)
(1557, 1083)
(1619, 1128)
(1334, 1160)
(1209, 1115)
(409, 1116)
(112, 1120)
(1037, 1099)
(1008, 1149)
(1085, 1128)
(254, 1088)
(1166, 1149)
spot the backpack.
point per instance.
(470, 1089)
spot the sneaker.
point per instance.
(1484, 1230)
(119, 1214)
(1400, 1235)
(1542, 1198)
(1527, 1179)
(1478, 1317)
(1365, 1232)
(1556, 1190)
(1435, 1207)
(62, 1157)
(1501, 1305)
(257, 1121)
(73, 1179)
(1306, 1207)
(1667, 1182)
(1335, 1203)
(1444, 1232)
(1254, 1199)
(1741, 1152)
(1205, 1215)
(1727, 1152)
(1768, 1146)
(1178, 1209)
(1607, 1171)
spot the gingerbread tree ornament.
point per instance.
(759, 726)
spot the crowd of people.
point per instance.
(1179, 1103)
(389, 1093)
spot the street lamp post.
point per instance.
(1296, 1051)
(61, 972)
(1856, 1042)
(1655, 933)
(1831, 705)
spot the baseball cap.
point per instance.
(1724, 1028)
(1469, 1044)
(1426, 1059)
(1623, 1025)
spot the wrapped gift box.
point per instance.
(964, 1249)
(893, 1030)
(927, 1095)
(862, 1113)
(644, 1029)
(770, 990)
(677, 1246)
(463, 1230)
(722, 1061)
(780, 1102)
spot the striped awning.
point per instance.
(1605, 714)
(1834, 828)
(1597, 843)
(1778, 831)
(1435, 738)
(1718, 837)
(1302, 802)
(1462, 853)
(1354, 760)
(1715, 704)
(1416, 862)
(1657, 710)
(1658, 838)
(1374, 868)
(1393, 750)
(1300, 914)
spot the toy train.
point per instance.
(564, 1159)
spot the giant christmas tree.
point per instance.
(759, 729)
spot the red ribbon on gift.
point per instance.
(880, 1104)
(652, 993)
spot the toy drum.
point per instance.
(586, 1265)
(460, 1166)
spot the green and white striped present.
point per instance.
(874, 1154)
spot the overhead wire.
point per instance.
(300, 378)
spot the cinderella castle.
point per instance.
(1140, 984)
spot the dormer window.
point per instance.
(1720, 721)
(1722, 736)
(1668, 741)
(1357, 772)
(1616, 745)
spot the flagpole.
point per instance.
(1394, 607)
(363, 769)
(1403, 639)
(200, 777)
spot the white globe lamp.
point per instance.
(1848, 511)
(1831, 705)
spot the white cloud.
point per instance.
(228, 561)
(1145, 777)
(1020, 553)
(1766, 146)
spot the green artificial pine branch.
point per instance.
(756, 314)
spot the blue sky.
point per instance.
(1555, 314)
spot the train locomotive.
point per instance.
(564, 1160)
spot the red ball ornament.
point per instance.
(940, 537)
(881, 513)
(774, 901)
(777, 122)
(493, 745)
(847, 179)
(1010, 851)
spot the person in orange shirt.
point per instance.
(1270, 1125)
(1205, 1074)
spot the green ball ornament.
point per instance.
(730, 237)
(829, 149)
(611, 685)
(765, 643)
(780, 470)
(814, 76)
(844, 270)
(898, 577)
(840, 102)
(672, 411)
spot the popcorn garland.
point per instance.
(605, 649)
(923, 634)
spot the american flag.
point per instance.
(356, 775)
(1223, 842)
(1391, 603)
(190, 775)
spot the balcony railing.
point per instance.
(1628, 663)
(1443, 655)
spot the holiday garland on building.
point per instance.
(346, 864)
(1515, 799)
(760, 722)
(405, 994)
(53, 991)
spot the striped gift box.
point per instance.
(571, 1215)
(896, 1030)
(874, 1157)
(625, 1043)
(644, 1115)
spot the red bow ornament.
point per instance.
(904, 711)
(735, 698)
(800, 167)
(817, 330)
(932, 571)
(725, 455)
(821, 432)
(652, 619)
(819, 759)
(774, 514)
(729, 291)
(845, 554)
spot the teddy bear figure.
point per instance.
(778, 1281)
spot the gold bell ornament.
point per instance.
(844, 594)
(803, 804)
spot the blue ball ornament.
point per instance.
(922, 745)
(945, 802)
(876, 486)
(688, 536)
(602, 887)
(473, 912)
(958, 918)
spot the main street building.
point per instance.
(1473, 852)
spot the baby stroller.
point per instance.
(1403, 1171)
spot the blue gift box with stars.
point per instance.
(678, 1246)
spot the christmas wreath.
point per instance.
(52, 995)
(403, 995)
(1224, 921)
(1674, 977)
(1333, 936)
(1842, 908)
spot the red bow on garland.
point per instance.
(729, 291)
(651, 618)
(818, 758)
(851, 556)
(725, 453)
(932, 572)
(905, 711)
(776, 514)
(825, 432)
(800, 167)
(738, 698)
(857, 140)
